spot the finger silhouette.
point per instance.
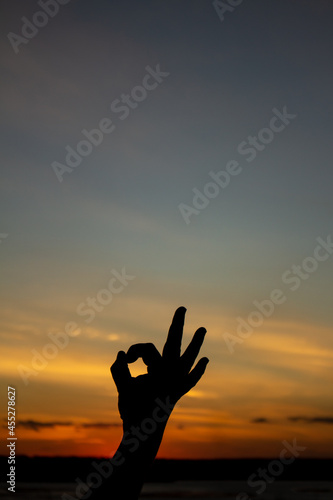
(173, 343)
(193, 349)
(120, 372)
(148, 352)
(195, 375)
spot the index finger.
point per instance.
(173, 343)
(148, 352)
(120, 371)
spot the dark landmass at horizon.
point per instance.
(66, 469)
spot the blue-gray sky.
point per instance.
(120, 206)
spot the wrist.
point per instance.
(148, 418)
(140, 443)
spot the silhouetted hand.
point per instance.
(168, 378)
(145, 403)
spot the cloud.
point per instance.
(308, 420)
(36, 425)
(312, 420)
(100, 425)
(260, 420)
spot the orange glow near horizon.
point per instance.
(184, 438)
(245, 405)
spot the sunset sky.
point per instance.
(252, 91)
